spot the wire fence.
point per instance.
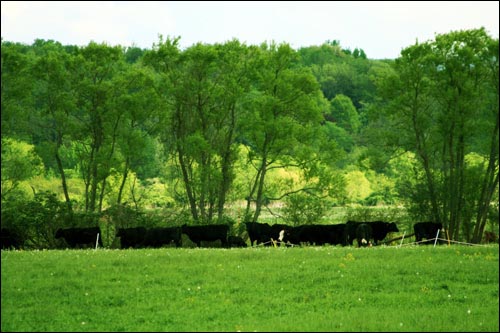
(277, 243)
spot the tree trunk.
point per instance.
(260, 190)
(64, 183)
(489, 186)
(124, 181)
(187, 184)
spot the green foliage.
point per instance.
(19, 162)
(344, 114)
(357, 186)
(37, 220)
(383, 188)
(16, 81)
(302, 208)
(254, 289)
(133, 54)
(340, 71)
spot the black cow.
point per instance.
(236, 241)
(10, 238)
(131, 237)
(336, 233)
(80, 237)
(426, 230)
(293, 235)
(210, 233)
(350, 231)
(313, 234)
(277, 233)
(310, 234)
(157, 237)
(259, 232)
(364, 234)
(316, 234)
(381, 229)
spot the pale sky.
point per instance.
(381, 28)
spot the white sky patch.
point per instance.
(381, 28)
(79, 22)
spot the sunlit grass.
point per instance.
(253, 289)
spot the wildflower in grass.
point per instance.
(349, 257)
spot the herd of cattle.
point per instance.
(365, 234)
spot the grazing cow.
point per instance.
(364, 234)
(293, 235)
(157, 237)
(259, 232)
(312, 234)
(236, 241)
(131, 237)
(490, 237)
(80, 237)
(426, 230)
(381, 229)
(316, 234)
(10, 238)
(277, 233)
(336, 233)
(213, 232)
(350, 231)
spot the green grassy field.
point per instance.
(415, 288)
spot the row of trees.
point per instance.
(87, 109)
(214, 121)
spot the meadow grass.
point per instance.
(414, 288)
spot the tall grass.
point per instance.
(416, 288)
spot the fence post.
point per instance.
(97, 241)
(400, 244)
(435, 241)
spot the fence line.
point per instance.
(443, 239)
(275, 243)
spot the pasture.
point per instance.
(413, 288)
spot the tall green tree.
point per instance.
(54, 103)
(97, 85)
(139, 105)
(285, 110)
(202, 88)
(444, 107)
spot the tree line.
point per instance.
(214, 124)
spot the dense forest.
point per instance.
(169, 135)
